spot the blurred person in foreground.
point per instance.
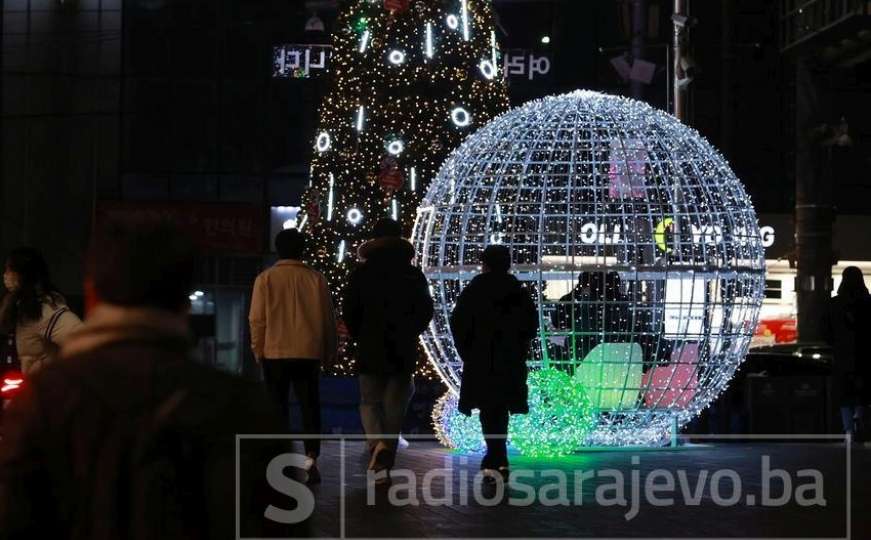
(293, 331)
(125, 437)
(387, 306)
(34, 310)
(847, 319)
(493, 324)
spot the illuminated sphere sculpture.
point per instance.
(635, 238)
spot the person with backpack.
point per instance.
(493, 324)
(387, 305)
(125, 436)
(34, 315)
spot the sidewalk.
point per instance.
(369, 513)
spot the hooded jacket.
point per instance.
(126, 437)
(387, 306)
(493, 325)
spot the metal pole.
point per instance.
(639, 28)
(679, 95)
(814, 214)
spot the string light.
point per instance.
(429, 45)
(360, 117)
(394, 209)
(488, 69)
(302, 223)
(461, 117)
(331, 197)
(493, 48)
(559, 421)
(355, 216)
(402, 129)
(464, 15)
(340, 256)
(396, 57)
(395, 147)
(323, 142)
(642, 252)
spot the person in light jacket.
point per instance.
(293, 331)
(387, 305)
(34, 310)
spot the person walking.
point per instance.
(387, 305)
(493, 324)
(847, 319)
(293, 331)
(125, 436)
(34, 310)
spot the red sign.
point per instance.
(396, 6)
(777, 330)
(217, 229)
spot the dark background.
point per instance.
(174, 100)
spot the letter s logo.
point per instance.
(290, 487)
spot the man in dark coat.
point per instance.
(493, 324)
(387, 306)
(125, 436)
(847, 320)
(595, 311)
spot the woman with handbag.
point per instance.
(34, 310)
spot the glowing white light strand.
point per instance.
(488, 69)
(364, 41)
(330, 197)
(429, 44)
(461, 117)
(395, 148)
(355, 216)
(493, 48)
(464, 15)
(396, 57)
(323, 143)
(672, 175)
(394, 209)
(361, 112)
(340, 256)
(302, 223)
(413, 177)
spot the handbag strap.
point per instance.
(49, 329)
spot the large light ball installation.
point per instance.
(636, 239)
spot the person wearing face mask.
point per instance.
(34, 310)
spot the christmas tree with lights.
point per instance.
(410, 80)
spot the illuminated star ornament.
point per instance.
(380, 139)
(639, 246)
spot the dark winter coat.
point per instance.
(126, 437)
(848, 321)
(493, 324)
(592, 319)
(387, 306)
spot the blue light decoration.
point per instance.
(638, 243)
